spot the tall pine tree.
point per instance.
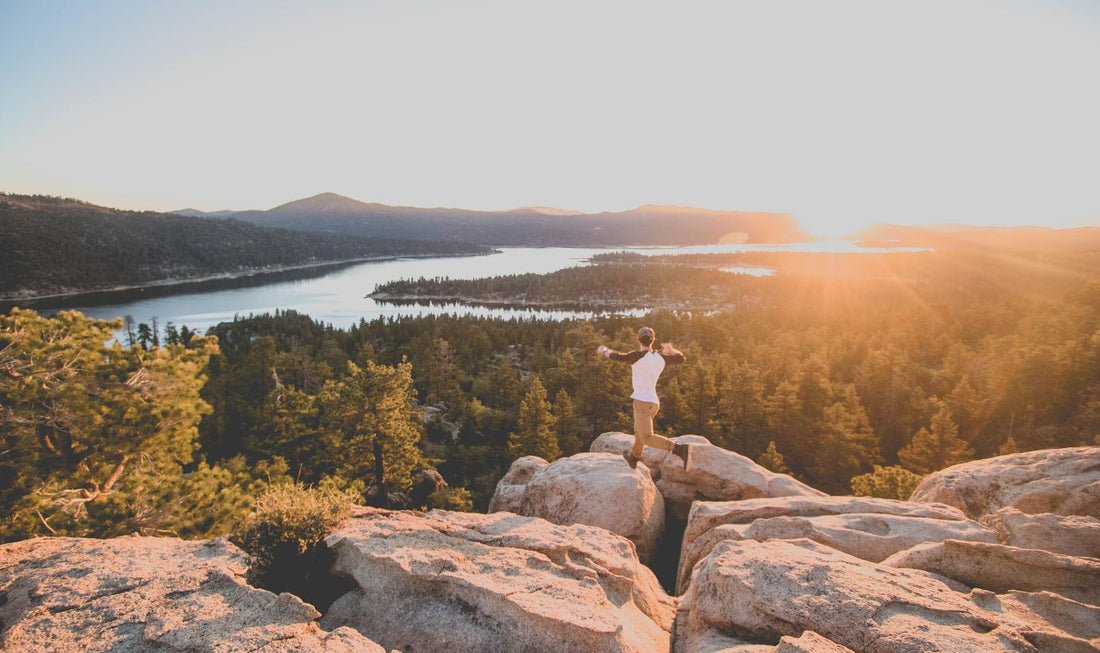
(536, 435)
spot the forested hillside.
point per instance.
(854, 383)
(52, 245)
(838, 375)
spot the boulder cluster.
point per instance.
(993, 555)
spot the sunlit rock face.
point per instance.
(1001, 568)
(149, 594)
(871, 529)
(1072, 535)
(752, 592)
(716, 474)
(508, 496)
(596, 489)
(757, 573)
(1007, 561)
(445, 581)
(1058, 481)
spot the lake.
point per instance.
(338, 295)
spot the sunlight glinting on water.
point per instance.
(339, 297)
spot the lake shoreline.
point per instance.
(597, 306)
(22, 299)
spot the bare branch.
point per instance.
(44, 522)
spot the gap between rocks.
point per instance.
(308, 576)
(665, 562)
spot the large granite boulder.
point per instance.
(508, 496)
(1000, 568)
(149, 594)
(1071, 535)
(445, 581)
(596, 489)
(753, 592)
(868, 528)
(1059, 481)
(716, 474)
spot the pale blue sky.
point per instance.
(843, 113)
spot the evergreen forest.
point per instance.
(857, 373)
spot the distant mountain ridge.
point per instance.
(51, 245)
(529, 226)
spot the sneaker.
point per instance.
(630, 459)
(683, 451)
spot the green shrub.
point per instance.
(284, 536)
(892, 482)
(451, 498)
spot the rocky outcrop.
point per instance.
(1059, 481)
(759, 592)
(1000, 568)
(508, 495)
(149, 594)
(1070, 535)
(799, 572)
(871, 529)
(716, 474)
(596, 489)
(445, 581)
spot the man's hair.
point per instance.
(646, 336)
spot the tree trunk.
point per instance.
(380, 475)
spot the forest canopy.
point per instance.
(860, 377)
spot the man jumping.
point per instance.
(646, 366)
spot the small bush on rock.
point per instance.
(284, 536)
(457, 499)
(891, 482)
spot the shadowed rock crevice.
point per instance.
(308, 576)
(665, 564)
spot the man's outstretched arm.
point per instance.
(672, 355)
(629, 357)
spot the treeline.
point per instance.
(850, 383)
(838, 375)
(52, 245)
(600, 286)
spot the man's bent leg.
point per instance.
(644, 436)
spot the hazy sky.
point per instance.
(843, 113)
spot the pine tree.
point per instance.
(846, 445)
(784, 415)
(741, 412)
(602, 387)
(370, 427)
(565, 424)
(95, 437)
(536, 436)
(144, 336)
(1008, 447)
(936, 448)
(773, 460)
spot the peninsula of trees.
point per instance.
(52, 245)
(598, 287)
